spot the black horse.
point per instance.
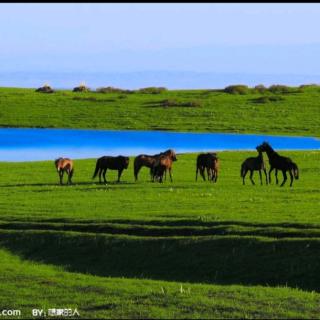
(113, 163)
(252, 164)
(210, 162)
(281, 163)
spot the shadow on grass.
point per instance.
(217, 259)
(167, 228)
(84, 183)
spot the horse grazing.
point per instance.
(162, 164)
(210, 162)
(281, 163)
(64, 165)
(252, 164)
(144, 160)
(113, 163)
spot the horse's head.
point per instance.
(264, 146)
(57, 161)
(295, 171)
(173, 155)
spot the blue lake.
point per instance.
(47, 144)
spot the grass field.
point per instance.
(147, 250)
(294, 113)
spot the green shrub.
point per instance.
(45, 89)
(260, 88)
(112, 90)
(311, 86)
(81, 88)
(278, 88)
(237, 89)
(153, 90)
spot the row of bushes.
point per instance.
(233, 89)
(276, 88)
(82, 88)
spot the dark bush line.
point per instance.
(152, 90)
(174, 103)
(113, 90)
(148, 90)
(275, 89)
(266, 99)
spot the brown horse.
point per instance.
(215, 165)
(163, 164)
(64, 165)
(144, 160)
(210, 162)
(113, 163)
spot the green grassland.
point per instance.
(292, 113)
(185, 249)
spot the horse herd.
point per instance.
(160, 164)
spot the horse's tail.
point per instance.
(295, 170)
(97, 169)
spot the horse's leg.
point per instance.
(209, 173)
(284, 177)
(291, 178)
(170, 174)
(251, 175)
(151, 174)
(136, 171)
(71, 175)
(104, 175)
(61, 176)
(265, 172)
(201, 169)
(260, 177)
(216, 175)
(68, 174)
(276, 174)
(270, 174)
(244, 175)
(100, 173)
(119, 174)
(213, 175)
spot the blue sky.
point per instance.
(253, 38)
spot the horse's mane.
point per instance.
(56, 160)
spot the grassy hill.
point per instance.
(292, 112)
(185, 249)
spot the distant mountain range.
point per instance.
(135, 80)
